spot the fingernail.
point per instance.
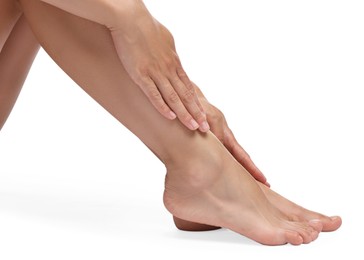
(267, 183)
(205, 127)
(193, 124)
(172, 115)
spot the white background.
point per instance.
(74, 184)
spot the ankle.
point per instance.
(188, 178)
(195, 170)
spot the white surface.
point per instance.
(74, 184)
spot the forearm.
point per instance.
(111, 13)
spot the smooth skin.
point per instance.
(204, 183)
(17, 56)
(19, 52)
(9, 14)
(219, 194)
(148, 56)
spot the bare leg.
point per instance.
(204, 183)
(16, 58)
(9, 14)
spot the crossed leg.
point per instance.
(204, 184)
(9, 14)
(18, 49)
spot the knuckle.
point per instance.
(156, 99)
(183, 76)
(216, 115)
(154, 95)
(190, 86)
(215, 119)
(173, 97)
(164, 108)
(143, 69)
(181, 72)
(143, 81)
(169, 63)
(168, 35)
(148, 69)
(188, 96)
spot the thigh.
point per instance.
(9, 13)
(16, 58)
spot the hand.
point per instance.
(146, 49)
(221, 130)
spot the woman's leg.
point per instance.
(16, 58)
(204, 183)
(17, 51)
(9, 14)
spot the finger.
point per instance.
(187, 92)
(243, 157)
(150, 89)
(198, 102)
(173, 100)
(191, 103)
(199, 95)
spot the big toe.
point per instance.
(331, 224)
(328, 223)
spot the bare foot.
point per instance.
(297, 212)
(215, 190)
(289, 208)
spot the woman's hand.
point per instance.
(221, 130)
(146, 49)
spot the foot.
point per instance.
(298, 212)
(284, 205)
(215, 190)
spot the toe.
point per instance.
(293, 238)
(314, 235)
(331, 224)
(307, 233)
(305, 230)
(316, 224)
(328, 223)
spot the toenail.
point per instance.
(314, 221)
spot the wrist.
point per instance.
(125, 15)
